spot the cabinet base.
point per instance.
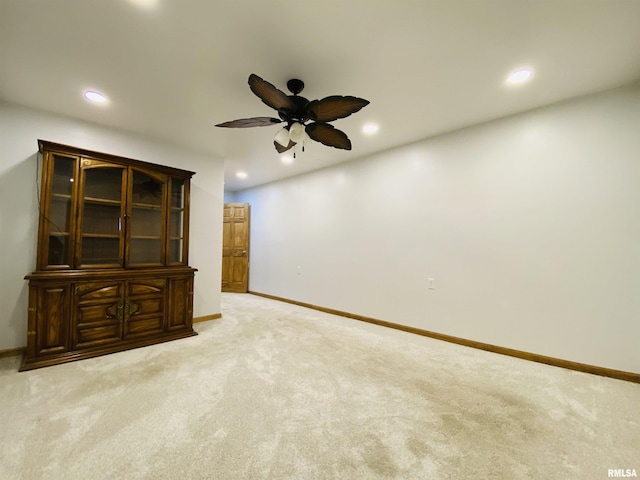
(33, 363)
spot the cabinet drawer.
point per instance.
(91, 336)
(148, 318)
(144, 326)
(146, 287)
(96, 313)
(98, 291)
(148, 306)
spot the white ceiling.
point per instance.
(172, 69)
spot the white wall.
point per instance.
(20, 128)
(229, 197)
(530, 226)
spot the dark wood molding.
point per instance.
(12, 352)
(108, 273)
(72, 356)
(205, 318)
(534, 357)
(45, 145)
(19, 351)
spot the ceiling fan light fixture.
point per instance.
(282, 137)
(296, 132)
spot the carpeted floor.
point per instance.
(276, 391)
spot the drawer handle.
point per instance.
(115, 310)
(122, 310)
(130, 309)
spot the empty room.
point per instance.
(337, 239)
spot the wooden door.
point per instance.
(235, 248)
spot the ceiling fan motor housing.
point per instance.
(299, 113)
(295, 86)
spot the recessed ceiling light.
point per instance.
(242, 174)
(95, 97)
(287, 160)
(145, 3)
(520, 76)
(370, 128)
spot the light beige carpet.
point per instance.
(275, 391)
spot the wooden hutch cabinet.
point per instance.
(112, 267)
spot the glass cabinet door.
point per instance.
(59, 216)
(146, 219)
(177, 222)
(101, 239)
(101, 211)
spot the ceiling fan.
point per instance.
(303, 118)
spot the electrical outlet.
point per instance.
(299, 270)
(431, 283)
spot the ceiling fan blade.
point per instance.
(282, 149)
(328, 135)
(269, 94)
(250, 122)
(334, 107)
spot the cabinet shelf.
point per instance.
(100, 235)
(101, 201)
(149, 206)
(96, 261)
